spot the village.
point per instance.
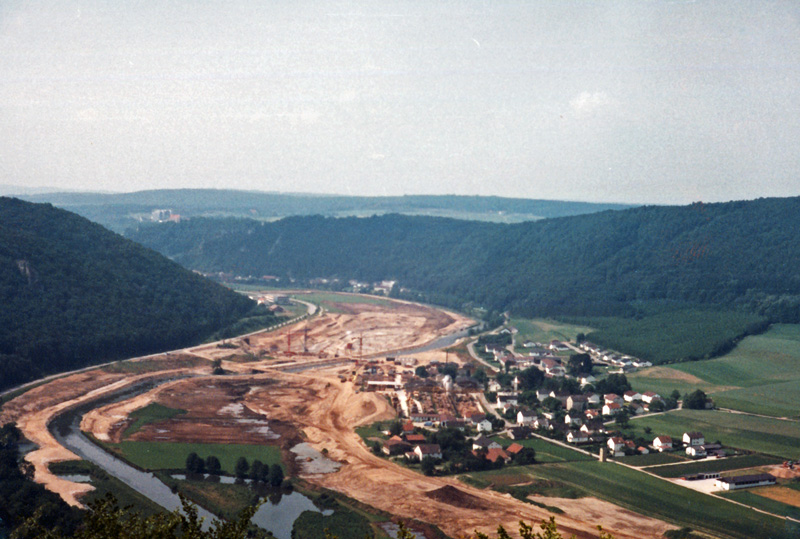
(549, 392)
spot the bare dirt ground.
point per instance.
(781, 494)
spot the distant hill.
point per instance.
(120, 211)
(72, 293)
(741, 255)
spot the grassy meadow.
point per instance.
(761, 375)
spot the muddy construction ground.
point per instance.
(257, 402)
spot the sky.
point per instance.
(639, 101)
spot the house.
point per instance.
(483, 442)
(636, 408)
(588, 379)
(745, 481)
(428, 451)
(662, 443)
(631, 396)
(577, 437)
(408, 426)
(520, 433)
(696, 451)
(475, 418)
(612, 409)
(494, 454)
(424, 418)
(561, 396)
(542, 394)
(643, 450)
(573, 418)
(649, 397)
(525, 416)
(506, 400)
(542, 423)
(395, 446)
(616, 446)
(484, 426)
(693, 438)
(558, 346)
(514, 448)
(608, 398)
(450, 422)
(577, 402)
(594, 426)
(415, 438)
(592, 399)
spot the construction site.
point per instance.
(307, 383)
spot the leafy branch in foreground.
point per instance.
(549, 531)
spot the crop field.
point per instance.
(760, 375)
(544, 331)
(172, 456)
(717, 465)
(661, 499)
(761, 434)
(652, 459)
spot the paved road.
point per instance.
(476, 357)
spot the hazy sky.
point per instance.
(628, 101)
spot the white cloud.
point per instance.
(586, 103)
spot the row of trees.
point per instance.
(258, 472)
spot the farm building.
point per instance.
(745, 481)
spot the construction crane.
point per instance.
(289, 336)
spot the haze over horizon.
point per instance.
(660, 102)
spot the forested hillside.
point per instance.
(73, 293)
(121, 210)
(741, 255)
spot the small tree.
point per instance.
(276, 475)
(213, 465)
(256, 470)
(421, 371)
(242, 468)
(395, 428)
(428, 466)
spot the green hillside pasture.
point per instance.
(172, 455)
(544, 331)
(761, 375)
(761, 434)
(717, 465)
(661, 499)
(674, 335)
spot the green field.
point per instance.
(544, 331)
(751, 498)
(761, 434)
(652, 459)
(717, 465)
(172, 456)
(661, 499)
(761, 375)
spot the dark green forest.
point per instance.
(634, 263)
(73, 294)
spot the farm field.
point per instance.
(717, 465)
(757, 498)
(544, 331)
(761, 434)
(661, 499)
(759, 376)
